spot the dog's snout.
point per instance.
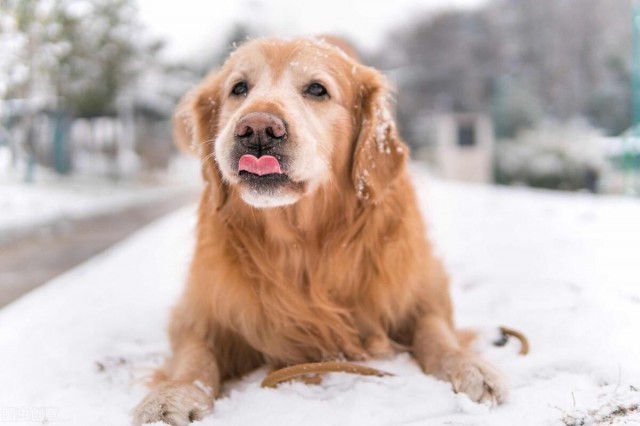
(260, 129)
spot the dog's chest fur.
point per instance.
(303, 297)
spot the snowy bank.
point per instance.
(29, 207)
(562, 268)
(25, 207)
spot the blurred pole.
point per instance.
(61, 142)
(498, 112)
(127, 140)
(635, 66)
(630, 160)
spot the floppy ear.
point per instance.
(380, 155)
(195, 129)
(184, 126)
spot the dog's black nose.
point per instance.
(260, 130)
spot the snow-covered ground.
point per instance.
(565, 269)
(25, 207)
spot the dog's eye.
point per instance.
(316, 90)
(240, 89)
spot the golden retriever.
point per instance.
(310, 245)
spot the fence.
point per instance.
(114, 147)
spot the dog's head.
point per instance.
(283, 118)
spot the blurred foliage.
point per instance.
(514, 107)
(523, 61)
(609, 106)
(82, 54)
(554, 157)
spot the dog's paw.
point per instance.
(174, 404)
(478, 379)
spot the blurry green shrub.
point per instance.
(555, 157)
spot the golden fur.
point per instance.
(339, 268)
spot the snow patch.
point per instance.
(383, 129)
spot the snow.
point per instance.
(24, 207)
(562, 268)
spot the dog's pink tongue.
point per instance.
(264, 165)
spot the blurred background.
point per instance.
(527, 92)
(540, 93)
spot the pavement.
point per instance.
(40, 256)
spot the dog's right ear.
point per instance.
(195, 129)
(380, 156)
(184, 126)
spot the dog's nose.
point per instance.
(260, 129)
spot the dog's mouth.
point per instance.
(265, 169)
(261, 166)
(264, 180)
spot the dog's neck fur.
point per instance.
(310, 221)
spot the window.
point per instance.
(466, 135)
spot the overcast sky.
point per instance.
(193, 26)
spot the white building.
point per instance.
(464, 145)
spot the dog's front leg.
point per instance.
(185, 388)
(438, 351)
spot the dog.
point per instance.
(310, 244)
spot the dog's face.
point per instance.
(284, 116)
(281, 118)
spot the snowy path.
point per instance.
(53, 201)
(27, 209)
(74, 241)
(563, 268)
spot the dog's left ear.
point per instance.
(380, 156)
(195, 128)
